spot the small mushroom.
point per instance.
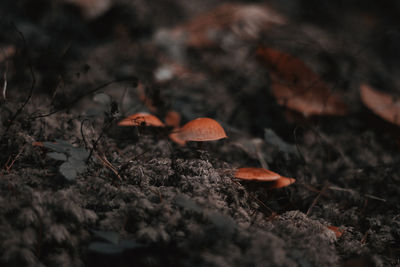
(264, 175)
(201, 129)
(256, 174)
(142, 118)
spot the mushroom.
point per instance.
(256, 174)
(263, 175)
(141, 118)
(201, 129)
(282, 182)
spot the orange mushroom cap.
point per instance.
(282, 182)
(201, 129)
(138, 119)
(256, 174)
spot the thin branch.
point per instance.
(94, 144)
(107, 163)
(83, 135)
(326, 186)
(5, 81)
(78, 98)
(20, 109)
(10, 162)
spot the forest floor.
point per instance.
(76, 189)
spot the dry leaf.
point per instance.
(338, 232)
(297, 87)
(382, 104)
(246, 21)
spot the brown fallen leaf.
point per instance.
(336, 230)
(245, 20)
(297, 87)
(382, 104)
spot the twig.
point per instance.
(374, 197)
(5, 81)
(21, 108)
(317, 198)
(261, 159)
(336, 188)
(83, 135)
(94, 145)
(78, 98)
(297, 145)
(257, 200)
(8, 165)
(108, 164)
(364, 238)
(125, 165)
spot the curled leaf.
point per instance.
(336, 230)
(299, 88)
(384, 105)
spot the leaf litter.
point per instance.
(218, 222)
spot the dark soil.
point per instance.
(101, 195)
